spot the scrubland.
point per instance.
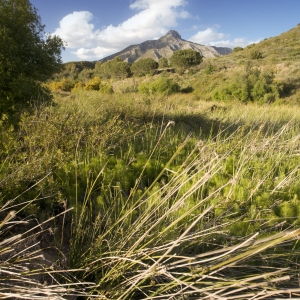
(139, 196)
(167, 186)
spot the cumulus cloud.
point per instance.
(152, 18)
(206, 36)
(76, 30)
(212, 37)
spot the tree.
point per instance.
(163, 63)
(185, 58)
(27, 55)
(237, 49)
(144, 66)
(114, 68)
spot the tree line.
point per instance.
(117, 69)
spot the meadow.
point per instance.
(150, 196)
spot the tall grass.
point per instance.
(171, 240)
(172, 199)
(30, 269)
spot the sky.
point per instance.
(94, 29)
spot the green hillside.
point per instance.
(274, 62)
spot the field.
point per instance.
(134, 196)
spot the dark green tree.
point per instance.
(163, 63)
(115, 68)
(144, 66)
(27, 55)
(185, 58)
(237, 49)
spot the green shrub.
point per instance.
(144, 88)
(250, 85)
(106, 88)
(209, 69)
(115, 68)
(164, 86)
(237, 49)
(79, 86)
(163, 63)
(185, 58)
(256, 54)
(144, 66)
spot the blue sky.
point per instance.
(94, 29)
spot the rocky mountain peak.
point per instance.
(173, 33)
(165, 47)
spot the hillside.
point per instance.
(279, 49)
(165, 47)
(218, 74)
(279, 55)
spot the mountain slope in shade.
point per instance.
(165, 47)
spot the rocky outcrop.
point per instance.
(165, 47)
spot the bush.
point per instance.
(209, 69)
(255, 54)
(115, 68)
(164, 86)
(79, 86)
(251, 85)
(163, 63)
(106, 88)
(96, 84)
(93, 84)
(65, 85)
(144, 66)
(237, 49)
(186, 58)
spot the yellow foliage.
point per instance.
(93, 84)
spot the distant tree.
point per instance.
(144, 66)
(185, 58)
(115, 68)
(27, 55)
(163, 63)
(237, 49)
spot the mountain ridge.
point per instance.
(165, 46)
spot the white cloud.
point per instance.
(211, 37)
(153, 18)
(93, 53)
(76, 30)
(206, 36)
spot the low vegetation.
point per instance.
(163, 184)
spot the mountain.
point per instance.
(165, 47)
